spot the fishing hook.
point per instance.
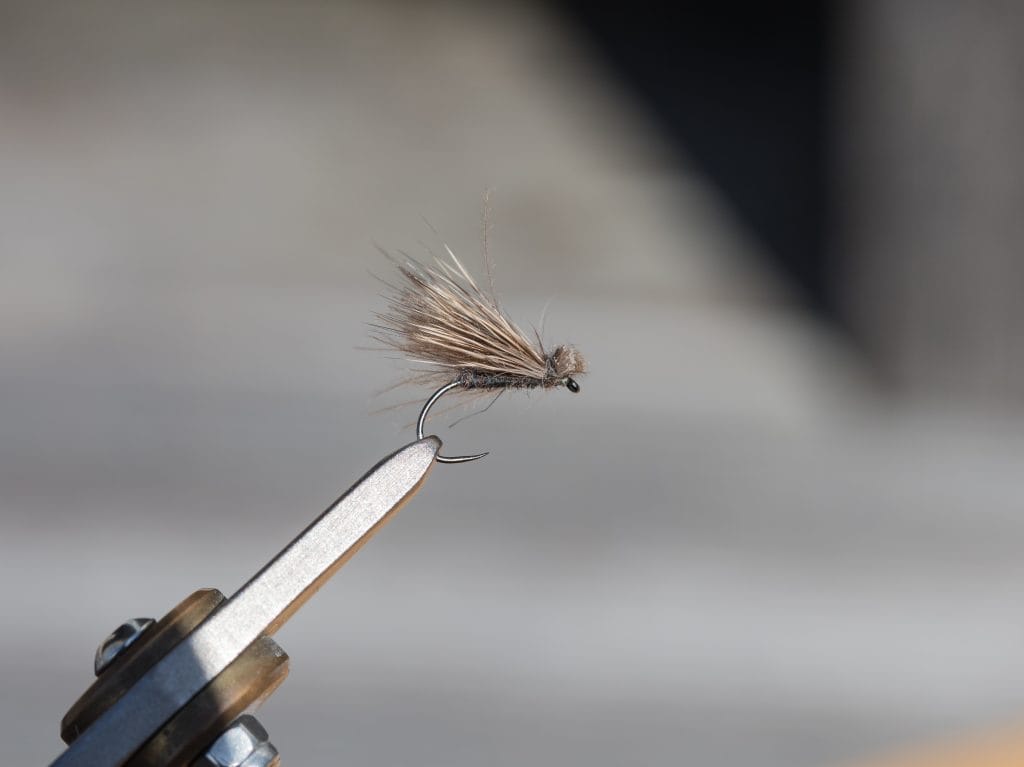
(423, 417)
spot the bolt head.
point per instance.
(244, 744)
(119, 641)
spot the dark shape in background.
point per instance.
(741, 89)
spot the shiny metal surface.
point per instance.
(134, 662)
(260, 607)
(244, 744)
(120, 639)
(423, 417)
(243, 686)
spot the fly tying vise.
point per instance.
(439, 317)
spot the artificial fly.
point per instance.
(439, 317)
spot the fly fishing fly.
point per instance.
(437, 316)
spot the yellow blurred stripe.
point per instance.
(1000, 748)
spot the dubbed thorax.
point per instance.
(565, 361)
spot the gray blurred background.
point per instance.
(781, 524)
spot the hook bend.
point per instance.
(423, 417)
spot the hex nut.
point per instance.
(119, 640)
(244, 744)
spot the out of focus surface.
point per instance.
(729, 549)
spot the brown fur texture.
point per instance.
(437, 316)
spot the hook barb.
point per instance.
(423, 417)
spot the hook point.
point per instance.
(423, 417)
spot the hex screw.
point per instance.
(244, 744)
(120, 640)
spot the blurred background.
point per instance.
(782, 522)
